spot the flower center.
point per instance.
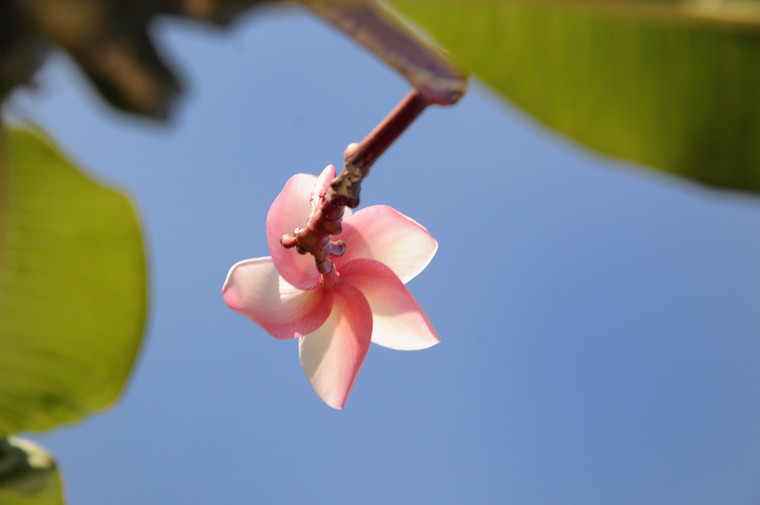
(330, 279)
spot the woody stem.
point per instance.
(359, 158)
(344, 190)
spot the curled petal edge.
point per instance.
(384, 234)
(289, 211)
(255, 289)
(398, 320)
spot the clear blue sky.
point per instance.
(599, 323)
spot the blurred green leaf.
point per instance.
(28, 474)
(72, 288)
(669, 84)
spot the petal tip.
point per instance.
(433, 343)
(335, 405)
(231, 297)
(230, 293)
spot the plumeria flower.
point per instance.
(336, 315)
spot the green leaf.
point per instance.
(72, 288)
(28, 474)
(673, 85)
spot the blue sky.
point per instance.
(599, 323)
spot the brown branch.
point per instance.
(344, 190)
(377, 27)
(436, 80)
(359, 158)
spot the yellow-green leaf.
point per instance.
(72, 288)
(28, 474)
(669, 84)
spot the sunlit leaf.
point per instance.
(72, 288)
(669, 84)
(28, 474)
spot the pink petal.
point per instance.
(254, 289)
(289, 211)
(384, 234)
(321, 186)
(319, 191)
(332, 356)
(398, 321)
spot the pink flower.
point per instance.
(337, 315)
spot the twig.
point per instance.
(359, 158)
(436, 80)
